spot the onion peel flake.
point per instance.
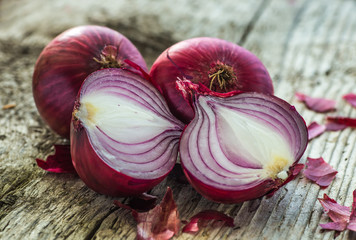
(319, 171)
(320, 105)
(340, 215)
(202, 218)
(315, 129)
(161, 223)
(339, 123)
(60, 162)
(350, 98)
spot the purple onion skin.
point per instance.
(64, 64)
(99, 176)
(194, 59)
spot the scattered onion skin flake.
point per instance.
(338, 214)
(161, 223)
(342, 218)
(315, 129)
(350, 98)
(241, 147)
(124, 140)
(320, 105)
(319, 171)
(206, 216)
(60, 162)
(341, 122)
(67, 60)
(219, 65)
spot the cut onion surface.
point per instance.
(124, 140)
(241, 147)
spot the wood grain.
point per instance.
(307, 46)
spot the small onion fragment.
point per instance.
(67, 60)
(241, 147)
(319, 171)
(315, 129)
(219, 65)
(350, 98)
(124, 140)
(342, 218)
(320, 105)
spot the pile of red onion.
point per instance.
(206, 99)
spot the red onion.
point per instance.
(67, 60)
(124, 140)
(241, 147)
(220, 65)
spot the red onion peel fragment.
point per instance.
(67, 60)
(341, 122)
(60, 162)
(203, 217)
(319, 171)
(341, 216)
(350, 98)
(124, 140)
(317, 104)
(315, 129)
(219, 65)
(162, 222)
(240, 147)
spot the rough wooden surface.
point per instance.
(307, 46)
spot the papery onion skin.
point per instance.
(197, 58)
(265, 185)
(90, 165)
(67, 60)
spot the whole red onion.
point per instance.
(124, 140)
(220, 65)
(67, 60)
(240, 147)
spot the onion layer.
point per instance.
(67, 60)
(241, 147)
(220, 65)
(124, 140)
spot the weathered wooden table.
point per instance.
(307, 46)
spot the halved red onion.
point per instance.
(67, 60)
(124, 140)
(220, 65)
(241, 147)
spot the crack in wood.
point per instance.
(98, 223)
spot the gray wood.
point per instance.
(307, 46)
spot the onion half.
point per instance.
(124, 140)
(67, 60)
(241, 147)
(220, 65)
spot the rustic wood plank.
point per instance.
(307, 46)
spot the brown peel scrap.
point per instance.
(8, 106)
